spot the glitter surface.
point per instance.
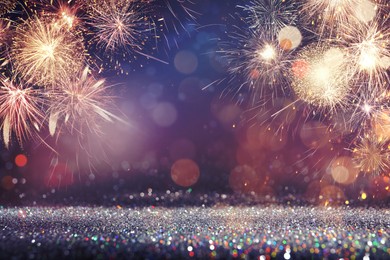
(219, 232)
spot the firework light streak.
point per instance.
(172, 17)
(372, 154)
(329, 16)
(44, 54)
(262, 62)
(4, 33)
(20, 110)
(65, 12)
(369, 46)
(118, 25)
(80, 104)
(7, 6)
(270, 15)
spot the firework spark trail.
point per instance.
(369, 47)
(67, 13)
(270, 15)
(329, 16)
(43, 53)
(262, 62)
(118, 25)
(7, 6)
(80, 104)
(20, 111)
(372, 154)
(172, 18)
(120, 31)
(4, 36)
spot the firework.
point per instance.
(7, 6)
(44, 54)
(20, 110)
(369, 46)
(372, 154)
(261, 60)
(322, 76)
(118, 25)
(4, 31)
(330, 15)
(80, 104)
(65, 12)
(270, 15)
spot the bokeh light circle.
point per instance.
(21, 160)
(185, 172)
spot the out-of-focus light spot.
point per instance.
(344, 170)
(385, 62)
(365, 10)
(186, 62)
(364, 196)
(289, 38)
(366, 257)
(125, 165)
(7, 183)
(185, 172)
(21, 160)
(164, 114)
(347, 202)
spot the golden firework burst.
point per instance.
(44, 53)
(372, 154)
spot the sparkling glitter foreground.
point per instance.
(258, 232)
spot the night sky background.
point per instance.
(186, 109)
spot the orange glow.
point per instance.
(185, 172)
(286, 44)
